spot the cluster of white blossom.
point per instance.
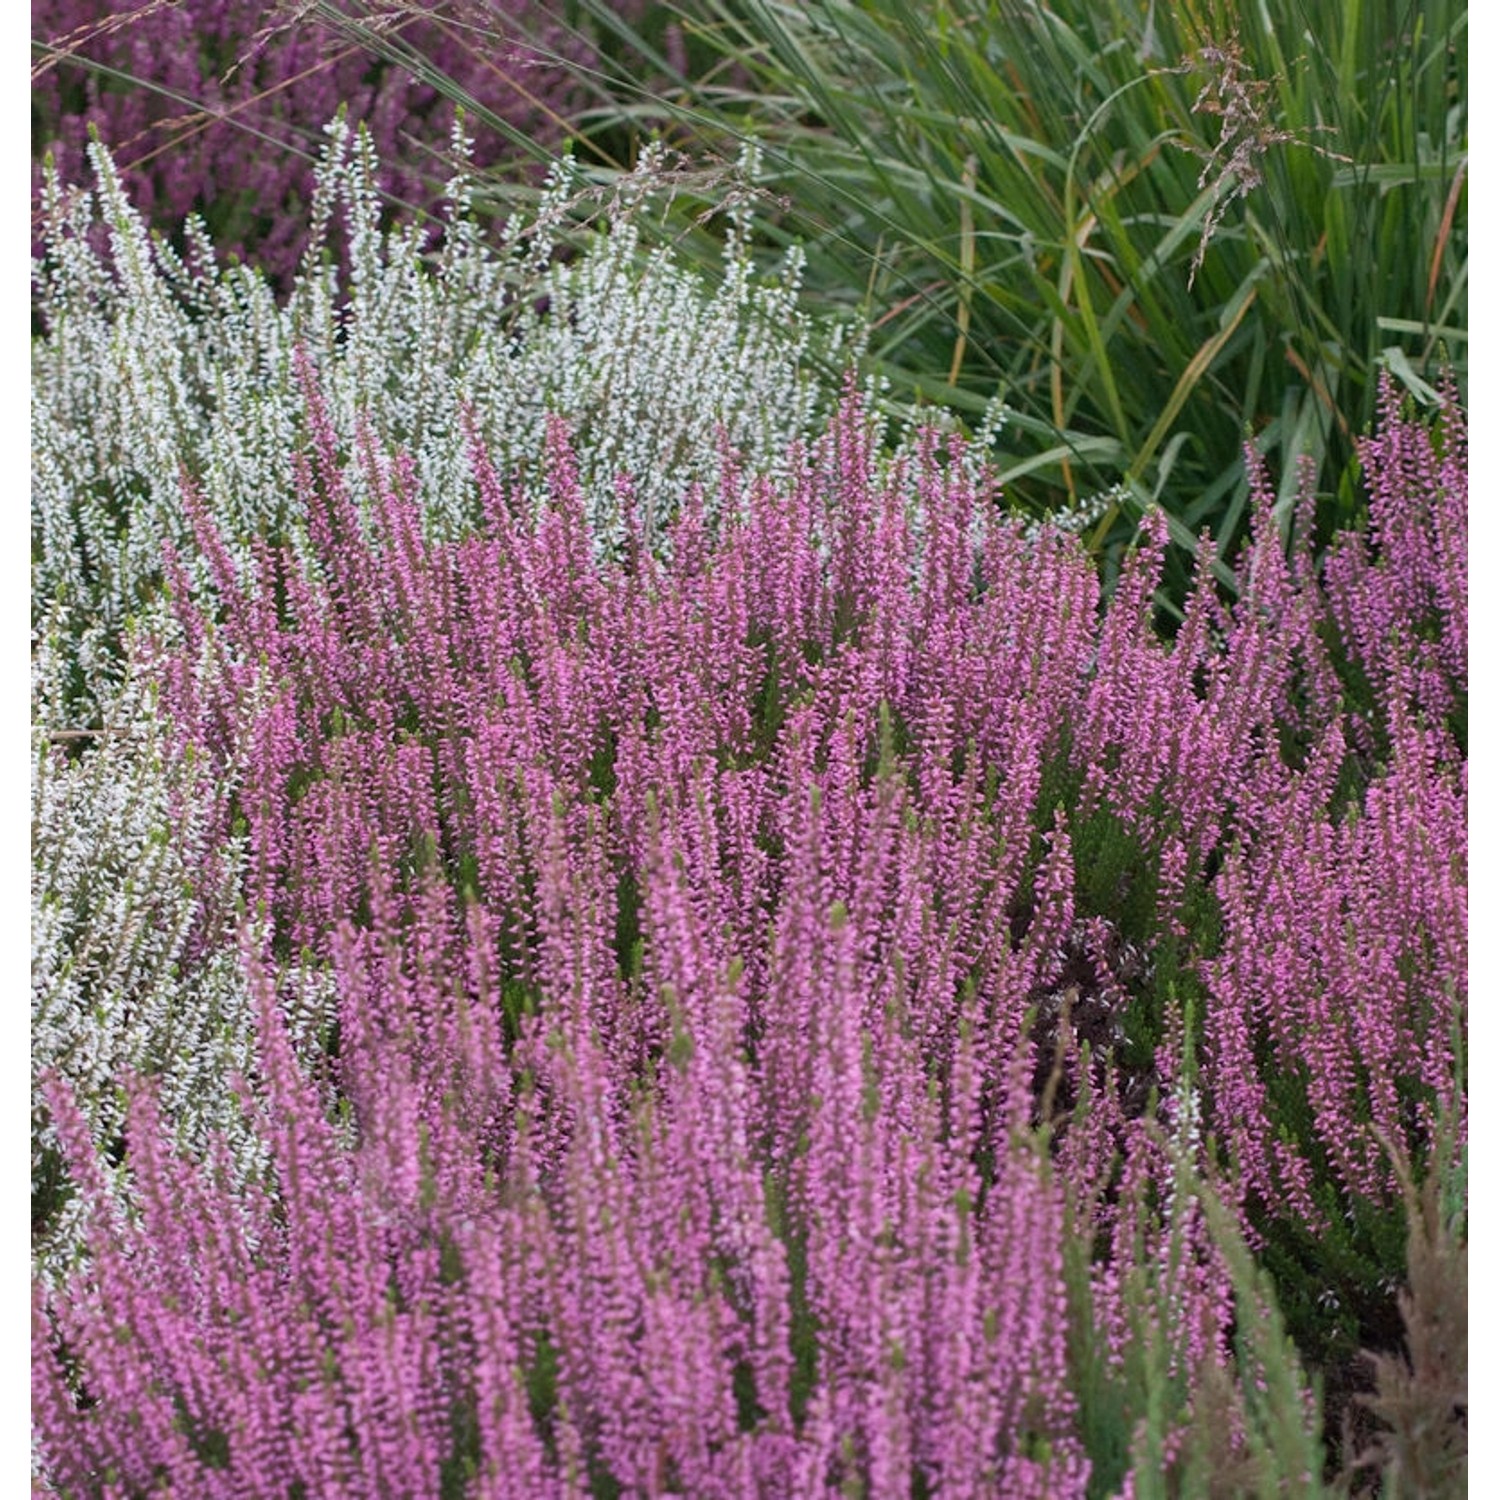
(154, 365)
(1088, 511)
(135, 963)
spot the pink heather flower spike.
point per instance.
(679, 1128)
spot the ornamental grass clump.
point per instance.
(1148, 226)
(1144, 227)
(793, 986)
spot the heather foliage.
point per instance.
(791, 981)
(154, 368)
(210, 107)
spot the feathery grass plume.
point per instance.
(210, 106)
(154, 368)
(1246, 133)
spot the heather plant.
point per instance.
(156, 371)
(1352, 892)
(1204, 1395)
(133, 969)
(211, 108)
(1399, 591)
(607, 1129)
(714, 927)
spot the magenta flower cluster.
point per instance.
(707, 936)
(202, 104)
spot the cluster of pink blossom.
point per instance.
(1344, 960)
(201, 102)
(711, 937)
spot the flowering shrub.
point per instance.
(133, 962)
(716, 931)
(151, 367)
(205, 104)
